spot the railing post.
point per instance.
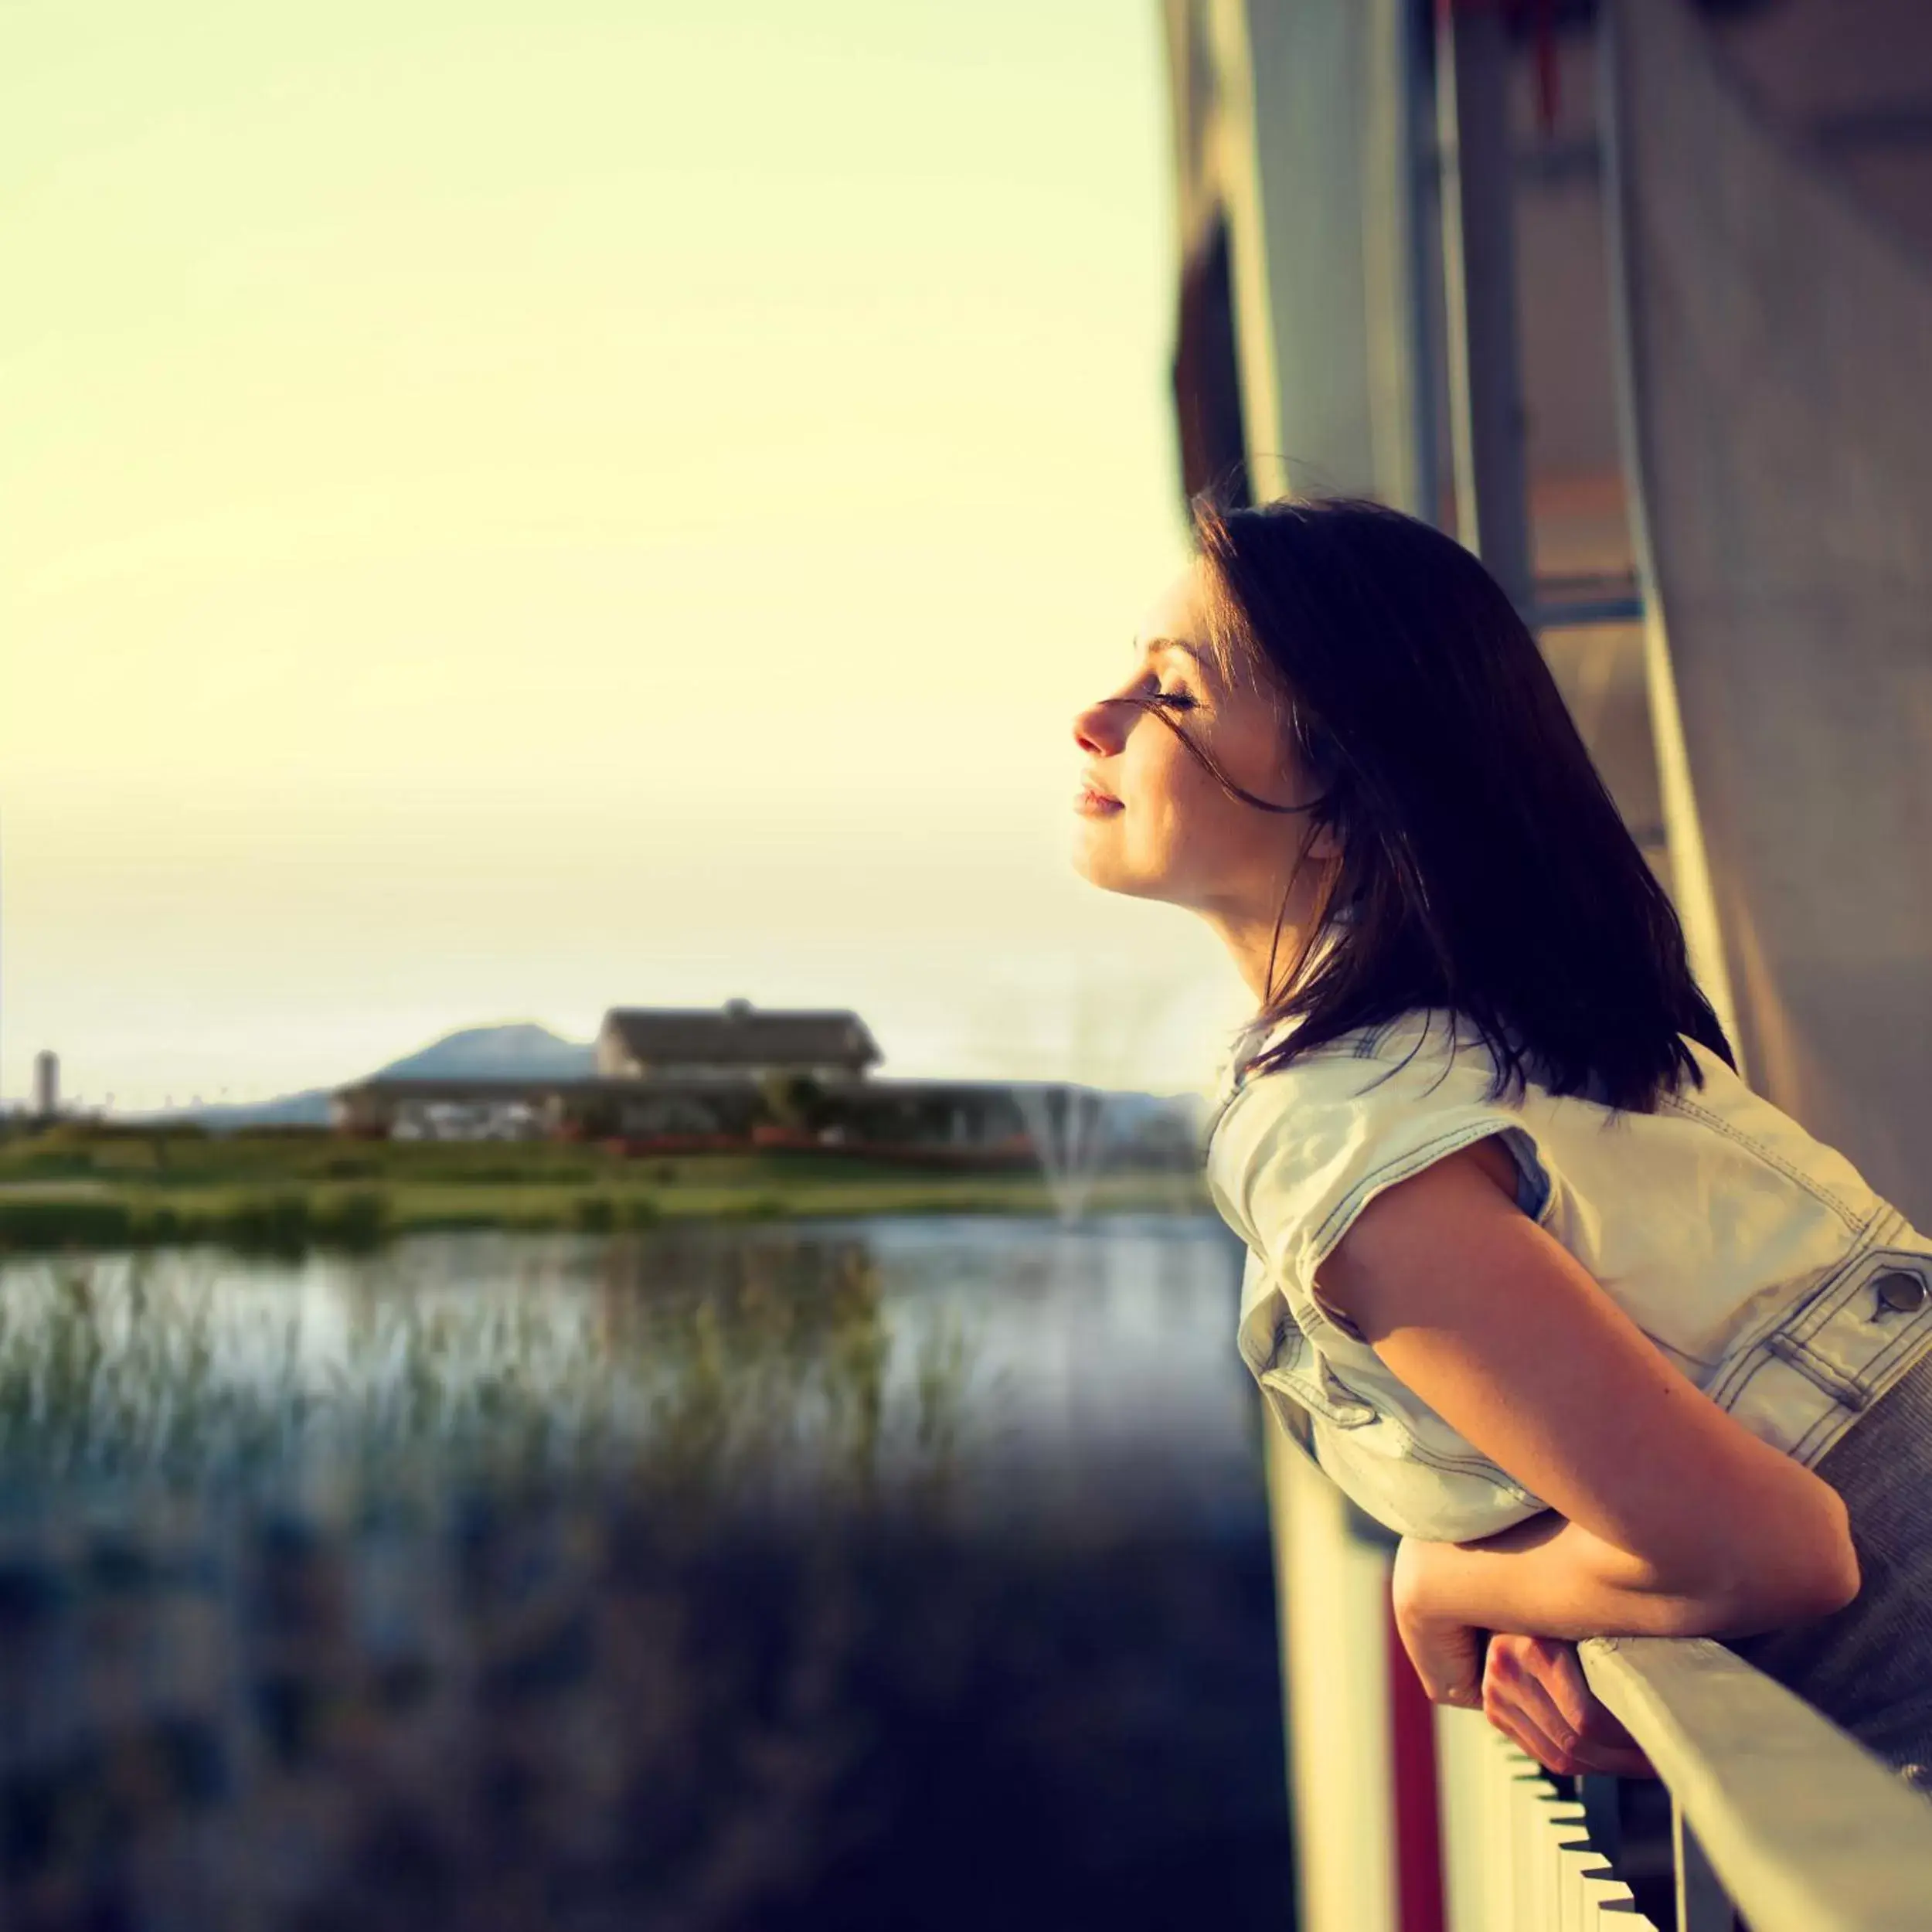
(1629, 1822)
(1332, 1587)
(1560, 1817)
(1702, 1903)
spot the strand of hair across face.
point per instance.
(1214, 771)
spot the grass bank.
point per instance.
(91, 1188)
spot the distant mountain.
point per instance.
(308, 1108)
(519, 1050)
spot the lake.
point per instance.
(888, 1574)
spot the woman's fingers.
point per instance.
(1529, 1717)
(1556, 1668)
(1517, 1705)
(1534, 1691)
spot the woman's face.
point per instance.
(1151, 820)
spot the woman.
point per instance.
(1614, 1346)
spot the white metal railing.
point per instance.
(1777, 1818)
(1517, 1856)
(1766, 1814)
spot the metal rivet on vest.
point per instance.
(1900, 1292)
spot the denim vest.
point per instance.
(1754, 1257)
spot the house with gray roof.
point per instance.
(680, 1043)
(717, 1077)
(657, 1071)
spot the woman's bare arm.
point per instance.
(1677, 1520)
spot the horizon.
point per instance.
(173, 1107)
(596, 526)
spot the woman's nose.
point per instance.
(1096, 729)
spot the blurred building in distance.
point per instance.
(46, 1086)
(642, 1042)
(671, 1080)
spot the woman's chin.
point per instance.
(1097, 861)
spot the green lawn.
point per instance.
(76, 1187)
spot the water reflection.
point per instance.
(701, 1578)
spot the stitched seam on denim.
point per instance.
(1330, 1049)
(1800, 1450)
(1267, 1360)
(1816, 1370)
(1834, 1423)
(1479, 1467)
(1330, 1387)
(1802, 1302)
(1862, 1379)
(1835, 1419)
(1412, 1162)
(1894, 1374)
(1749, 1365)
(1414, 1451)
(1411, 1450)
(1469, 1466)
(1743, 1364)
(1284, 1330)
(1804, 1448)
(1861, 1270)
(1806, 1321)
(1318, 1401)
(1868, 1248)
(1849, 1215)
(1919, 1326)
(1799, 1311)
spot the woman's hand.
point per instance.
(1531, 1688)
(1446, 1653)
(1534, 1692)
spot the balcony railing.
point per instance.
(1516, 1853)
(1766, 1816)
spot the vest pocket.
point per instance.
(1852, 1337)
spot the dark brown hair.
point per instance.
(1484, 871)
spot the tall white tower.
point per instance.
(46, 1084)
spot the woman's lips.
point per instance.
(1091, 802)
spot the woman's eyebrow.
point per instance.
(1153, 644)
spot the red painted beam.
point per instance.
(1416, 1802)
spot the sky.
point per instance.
(510, 509)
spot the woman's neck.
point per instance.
(1266, 932)
(1265, 952)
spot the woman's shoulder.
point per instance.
(1304, 1145)
(1400, 1060)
